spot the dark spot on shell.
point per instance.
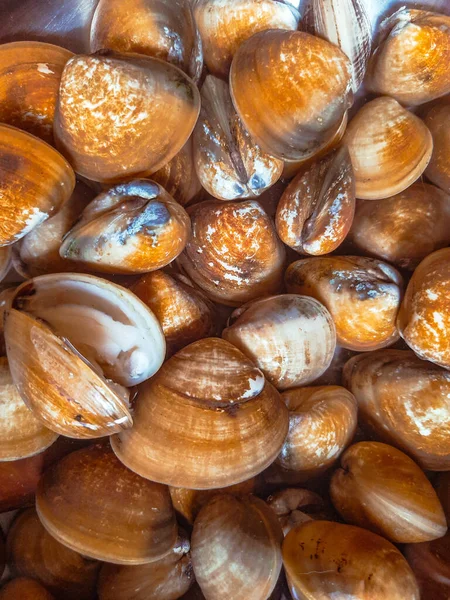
(10, 162)
(78, 418)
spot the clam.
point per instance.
(30, 73)
(95, 506)
(424, 316)
(19, 480)
(164, 29)
(295, 505)
(405, 228)
(225, 423)
(362, 294)
(25, 589)
(229, 164)
(5, 261)
(291, 90)
(290, 338)
(184, 312)
(235, 548)
(233, 254)
(34, 553)
(109, 103)
(430, 562)
(404, 401)
(443, 490)
(389, 148)
(322, 423)
(36, 182)
(316, 211)
(437, 120)
(72, 342)
(224, 26)
(23, 434)
(346, 24)
(165, 579)
(133, 227)
(411, 62)
(381, 489)
(326, 560)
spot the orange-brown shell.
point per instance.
(121, 116)
(36, 182)
(438, 122)
(405, 228)
(296, 505)
(389, 148)
(25, 589)
(424, 317)
(291, 90)
(430, 562)
(234, 254)
(316, 211)
(411, 62)
(94, 505)
(225, 423)
(381, 489)
(405, 402)
(362, 294)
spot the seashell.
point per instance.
(333, 375)
(346, 24)
(36, 181)
(225, 422)
(443, 491)
(324, 559)
(30, 74)
(248, 535)
(430, 562)
(23, 434)
(165, 579)
(290, 338)
(322, 423)
(404, 401)
(93, 505)
(36, 554)
(383, 490)
(38, 252)
(229, 164)
(437, 121)
(134, 227)
(362, 294)
(234, 254)
(5, 261)
(405, 228)
(70, 340)
(164, 29)
(316, 211)
(25, 589)
(179, 178)
(389, 148)
(107, 102)
(411, 62)
(424, 315)
(294, 506)
(224, 26)
(183, 311)
(291, 91)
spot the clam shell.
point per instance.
(25, 589)
(437, 120)
(295, 505)
(430, 562)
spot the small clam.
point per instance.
(183, 311)
(430, 562)
(411, 61)
(70, 340)
(229, 164)
(362, 294)
(234, 254)
(121, 116)
(25, 589)
(424, 317)
(389, 148)
(316, 211)
(381, 489)
(225, 423)
(437, 120)
(30, 73)
(291, 90)
(235, 549)
(295, 505)
(224, 26)
(91, 503)
(33, 552)
(134, 227)
(36, 182)
(331, 560)
(290, 338)
(163, 29)
(405, 228)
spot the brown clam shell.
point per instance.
(437, 120)
(25, 589)
(295, 505)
